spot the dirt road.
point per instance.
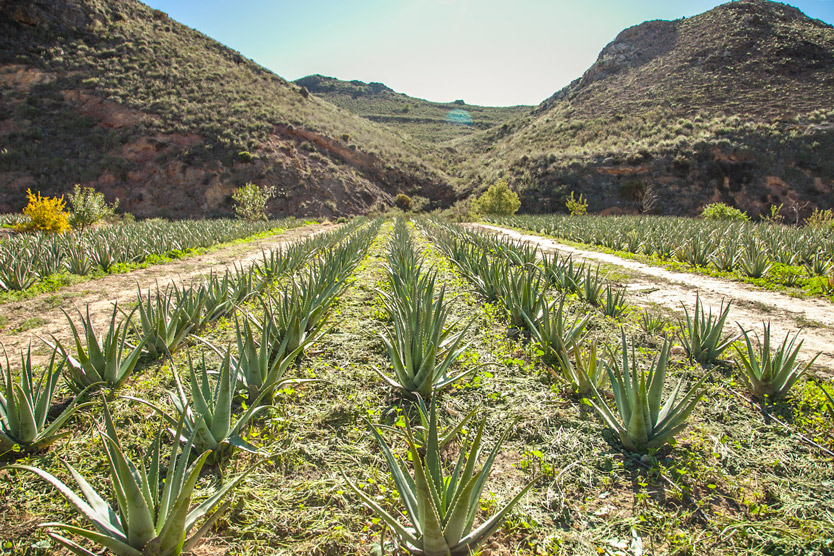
(651, 286)
(41, 316)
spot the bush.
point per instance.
(821, 219)
(45, 214)
(88, 207)
(576, 207)
(720, 211)
(420, 203)
(499, 200)
(250, 201)
(245, 156)
(403, 202)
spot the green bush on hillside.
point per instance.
(403, 202)
(499, 200)
(720, 211)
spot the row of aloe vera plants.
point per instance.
(441, 499)
(153, 513)
(166, 319)
(26, 259)
(790, 256)
(641, 419)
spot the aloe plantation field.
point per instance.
(396, 386)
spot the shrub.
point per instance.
(245, 156)
(576, 207)
(420, 203)
(250, 201)
(88, 207)
(821, 219)
(499, 199)
(403, 202)
(720, 211)
(46, 214)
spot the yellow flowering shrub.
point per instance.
(46, 214)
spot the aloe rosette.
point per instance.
(441, 507)
(153, 515)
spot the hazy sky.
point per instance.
(487, 52)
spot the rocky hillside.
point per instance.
(733, 105)
(116, 95)
(431, 122)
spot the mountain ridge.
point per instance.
(731, 105)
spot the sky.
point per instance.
(485, 52)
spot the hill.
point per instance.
(431, 122)
(116, 95)
(733, 105)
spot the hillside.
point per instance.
(116, 95)
(733, 105)
(431, 122)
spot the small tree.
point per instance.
(88, 207)
(576, 207)
(45, 214)
(499, 200)
(250, 201)
(403, 202)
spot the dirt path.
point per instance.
(652, 286)
(41, 316)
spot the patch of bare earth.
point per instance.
(651, 286)
(42, 316)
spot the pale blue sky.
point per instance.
(488, 52)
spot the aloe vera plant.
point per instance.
(553, 331)
(164, 322)
(521, 294)
(441, 507)
(209, 418)
(615, 303)
(591, 288)
(103, 361)
(422, 349)
(642, 422)
(771, 374)
(261, 367)
(651, 323)
(701, 335)
(25, 403)
(153, 516)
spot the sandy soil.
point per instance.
(651, 286)
(42, 316)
